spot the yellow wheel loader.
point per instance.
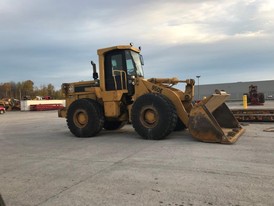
(153, 106)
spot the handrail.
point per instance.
(121, 72)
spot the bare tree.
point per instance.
(27, 87)
(7, 88)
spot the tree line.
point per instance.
(27, 89)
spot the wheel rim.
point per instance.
(80, 118)
(149, 117)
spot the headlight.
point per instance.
(67, 88)
(71, 88)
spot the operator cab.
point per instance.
(121, 67)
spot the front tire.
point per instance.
(85, 118)
(153, 116)
(179, 125)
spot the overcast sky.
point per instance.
(51, 41)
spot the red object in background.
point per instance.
(45, 107)
(47, 97)
(2, 110)
(254, 97)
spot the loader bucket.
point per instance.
(212, 121)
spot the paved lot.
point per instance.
(41, 163)
(269, 104)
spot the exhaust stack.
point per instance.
(95, 74)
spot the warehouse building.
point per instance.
(236, 90)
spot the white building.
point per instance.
(236, 90)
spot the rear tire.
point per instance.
(153, 116)
(85, 118)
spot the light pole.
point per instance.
(198, 77)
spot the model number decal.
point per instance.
(157, 89)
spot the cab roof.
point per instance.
(122, 47)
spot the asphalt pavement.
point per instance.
(42, 163)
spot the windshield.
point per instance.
(134, 64)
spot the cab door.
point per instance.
(115, 71)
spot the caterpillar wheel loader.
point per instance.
(153, 106)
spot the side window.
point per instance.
(130, 64)
(116, 64)
(115, 70)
